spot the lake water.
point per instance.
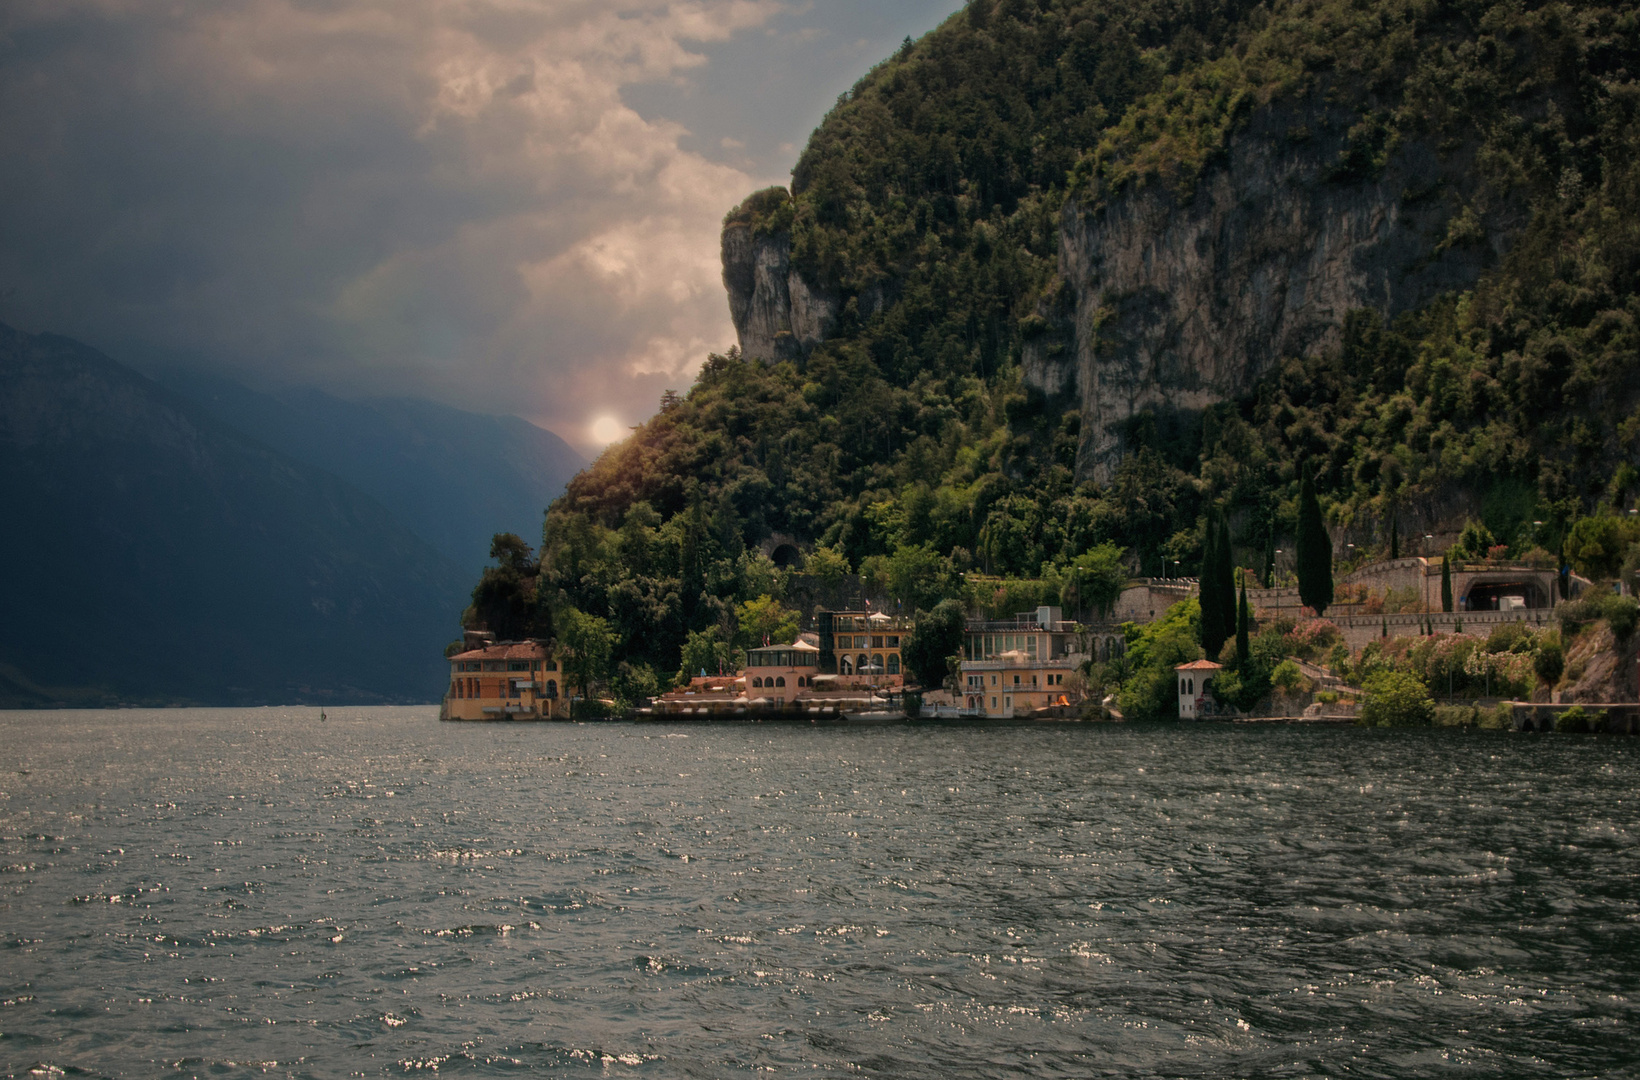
(232, 892)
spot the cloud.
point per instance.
(446, 198)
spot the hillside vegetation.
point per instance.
(931, 202)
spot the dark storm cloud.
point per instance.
(446, 198)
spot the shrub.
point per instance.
(1287, 677)
(1396, 699)
(1574, 719)
(1622, 613)
(1456, 715)
(1550, 659)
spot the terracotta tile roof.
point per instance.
(507, 650)
(1200, 665)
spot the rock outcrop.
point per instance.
(777, 315)
(1171, 306)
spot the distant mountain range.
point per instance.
(455, 478)
(153, 551)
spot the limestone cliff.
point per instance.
(777, 315)
(1173, 305)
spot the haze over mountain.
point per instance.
(153, 554)
(455, 478)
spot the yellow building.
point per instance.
(776, 673)
(863, 643)
(1015, 666)
(506, 681)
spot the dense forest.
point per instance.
(908, 448)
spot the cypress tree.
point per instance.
(1446, 583)
(1212, 631)
(1224, 576)
(1270, 554)
(1395, 535)
(1315, 581)
(1243, 648)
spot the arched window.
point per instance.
(861, 662)
(1181, 684)
(757, 682)
(845, 667)
(780, 680)
(893, 663)
(802, 681)
(877, 662)
(1192, 684)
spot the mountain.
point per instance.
(154, 555)
(1069, 272)
(455, 478)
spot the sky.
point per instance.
(510, 206)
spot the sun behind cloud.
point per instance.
(606, 429)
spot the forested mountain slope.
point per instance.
(1065, 272)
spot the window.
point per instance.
(894, 641)
(893, 663)
(552, 688)
(993, 683)
(876, 641)
(1192, 684)
(757, 682)
(780, 680)
(518, 665)
(993, 703)
(1016, 680)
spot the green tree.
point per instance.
(1446, 583)
(1243, 648)
(1094, 580)
(586, 643)
(505, 599)
(1224, 578)
(1153, 652)
(1314, 555)
(709, 651)
(1394, 698)
(765, 621)
(829, 564)
(1395, 536)
(1213, 611)
(1596, 546)
(918, 576)
(934, 640)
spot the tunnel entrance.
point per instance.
(1498, 595)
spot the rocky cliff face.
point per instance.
(777, 315)
(1173, 306)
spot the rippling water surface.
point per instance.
(211, 892)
